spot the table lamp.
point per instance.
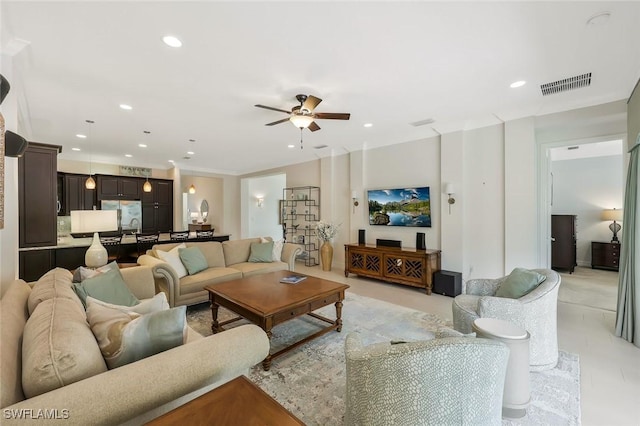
(614, 215)
(84, 221)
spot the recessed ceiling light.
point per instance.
(75, 149)
(518, 83)
(599, 18)
(171, 161)
(81, 136)
(128, 155)
(368, 125)
(142, 145)
(171, 41)
(190, 152)
(291, 146)
(127, 107)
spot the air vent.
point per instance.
(570, 83)
(320, 146)
(423, 122)
(573, 147)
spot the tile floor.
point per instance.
(610, 366)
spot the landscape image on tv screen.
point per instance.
(400, 207)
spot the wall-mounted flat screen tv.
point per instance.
(400, 207)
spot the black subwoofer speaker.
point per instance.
(421, 243)
(361, 239)
(388, 243)
(447, 283)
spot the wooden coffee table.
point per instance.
(266, 302)
(238, 402)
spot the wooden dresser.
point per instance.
(605, 255)
(403, 266)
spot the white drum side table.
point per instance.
(517, 395)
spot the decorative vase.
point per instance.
(326, 255)
(96, 255)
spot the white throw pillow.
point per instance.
(156, 303)
(125, 337)
(277, 249)
(172, 257)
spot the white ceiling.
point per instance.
(387, 63)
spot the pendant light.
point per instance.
(147, 185)
(192, 189)
(90, 183)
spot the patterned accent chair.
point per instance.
(536, 312)
(448, 381)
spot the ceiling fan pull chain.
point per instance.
(301, 147)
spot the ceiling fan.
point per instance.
(303, 117)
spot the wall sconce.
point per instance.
(192, 189)
(449, 190)
(615, 216)
(354, 197)
(260, 201)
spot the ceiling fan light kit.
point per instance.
(303, 117)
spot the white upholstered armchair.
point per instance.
(536, 312)
(454, 380)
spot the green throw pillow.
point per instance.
(519, 282)
(261, 252)
(193, 259)
(108, 287)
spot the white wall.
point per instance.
(484, 236)
(404, 166)
(9, 235)
(261, 221)
(452, 224)
(207, 188)
(584, 187)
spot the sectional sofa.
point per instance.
(78, 387)
(226, 261)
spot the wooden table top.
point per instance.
(238, 402)
(266, 295)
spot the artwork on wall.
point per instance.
(400, 207)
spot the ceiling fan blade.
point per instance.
(332, 115)
(310, 103)
(273, 109)
(313, 126)
(277, 122)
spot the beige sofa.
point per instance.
(131, 394)
(227, 261)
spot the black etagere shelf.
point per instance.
(300, 211)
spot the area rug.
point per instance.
(309, 381)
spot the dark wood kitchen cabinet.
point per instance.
(37, 195)
(74, 195)
(118, 187)
(157, 206)
(563, 242)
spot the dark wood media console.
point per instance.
(403, 266)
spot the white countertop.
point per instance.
(70, 242)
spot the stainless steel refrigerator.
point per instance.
(129, 214)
